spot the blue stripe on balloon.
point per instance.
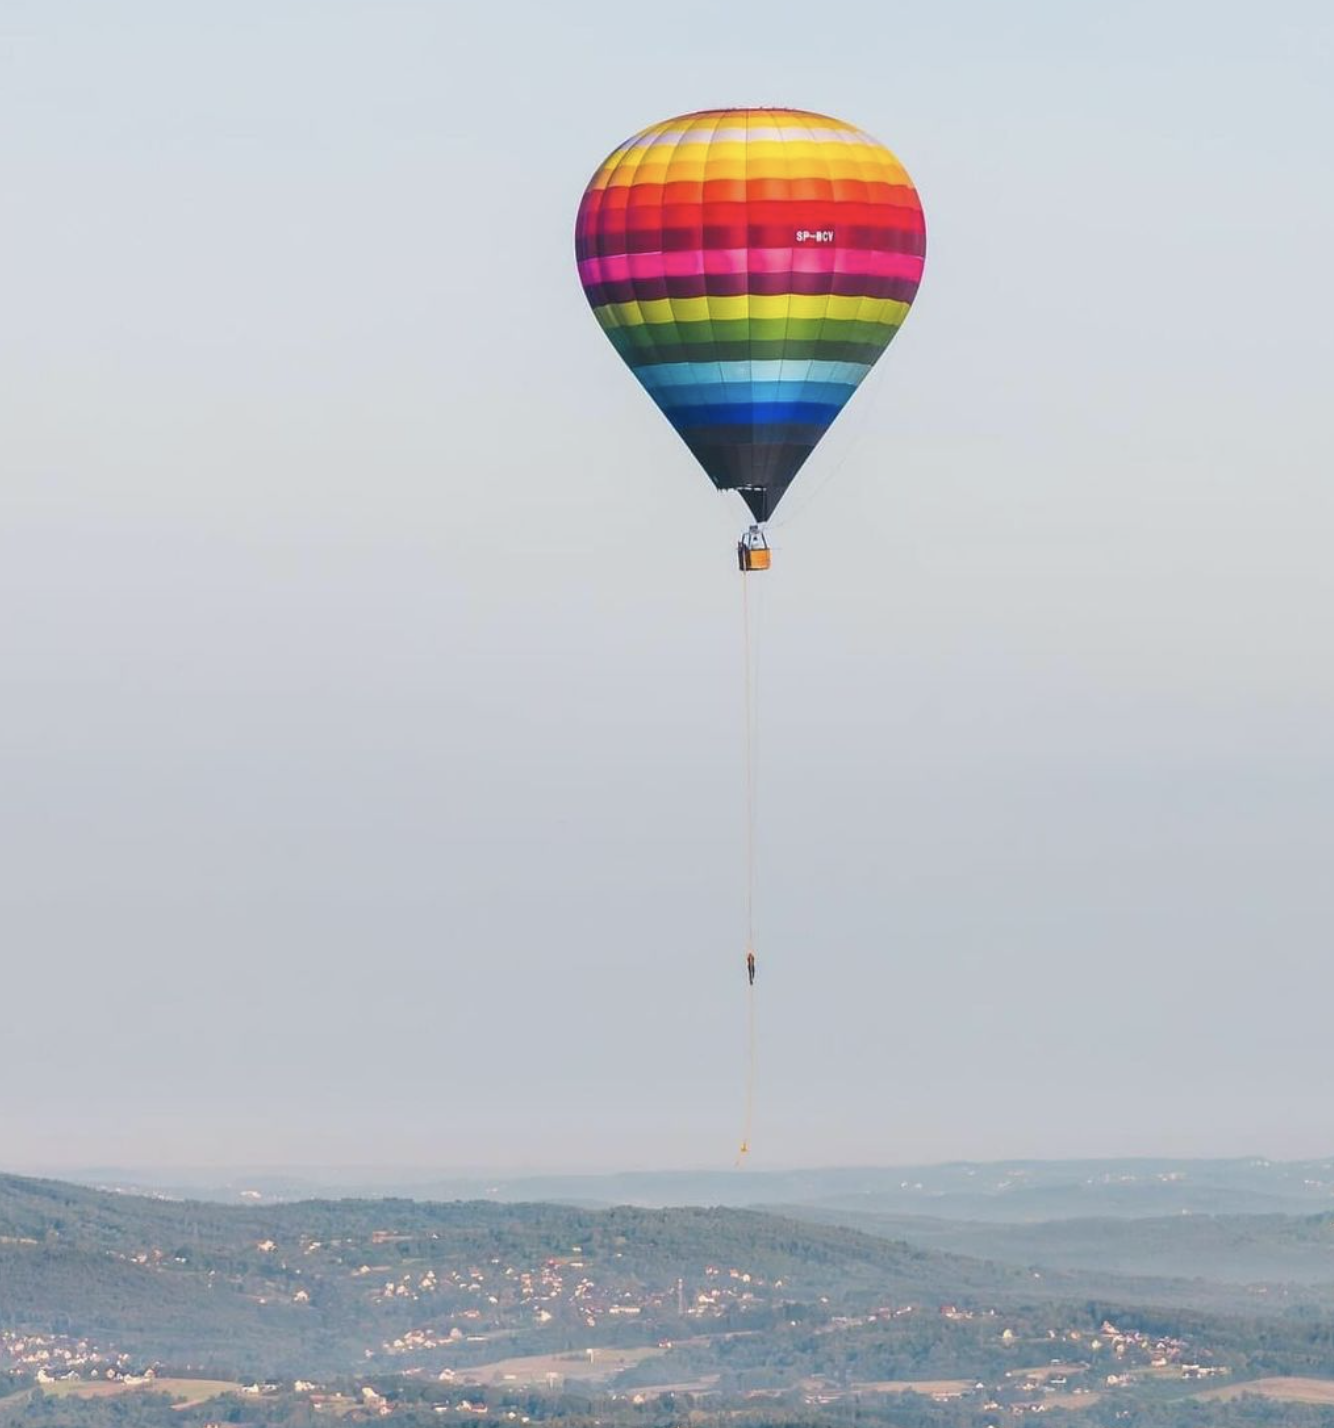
(734, 394)
(703, 374)
(752, 413)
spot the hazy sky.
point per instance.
(369, 687)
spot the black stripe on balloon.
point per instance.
(755, 284)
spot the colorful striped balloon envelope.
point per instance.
(750, 265)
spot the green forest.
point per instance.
(116, 1308)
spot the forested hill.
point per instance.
(1016, 1190)
(97, 1286)
(1239, 1249)
(318, 1285)
(329, 1234)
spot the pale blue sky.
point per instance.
(369, 701)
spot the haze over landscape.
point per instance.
(369, 666)
(1148, 1293)
(372, 907)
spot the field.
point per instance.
(1075, 1402)
(590, 1366)
(933, 1387)
(1285, 1390)
(191, 1390)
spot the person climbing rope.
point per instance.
(750, 967)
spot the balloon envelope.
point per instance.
(750, 265)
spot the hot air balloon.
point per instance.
(750, 266)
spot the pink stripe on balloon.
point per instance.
(880, 264)
(685, 264)
(623, 267)
(813, 259)
(725, 260)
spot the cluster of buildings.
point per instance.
(478, 1302)
(53, 1356)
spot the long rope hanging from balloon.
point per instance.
(840, 274)
(748, 643)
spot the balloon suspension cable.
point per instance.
(748, 661)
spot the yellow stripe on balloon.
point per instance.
(726, 309)
(696, 162)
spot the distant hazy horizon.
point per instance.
(374, 1173)
(370, 703)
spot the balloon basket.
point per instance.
(752, 550)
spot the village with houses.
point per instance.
(464, 1316)
(543, 1312)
